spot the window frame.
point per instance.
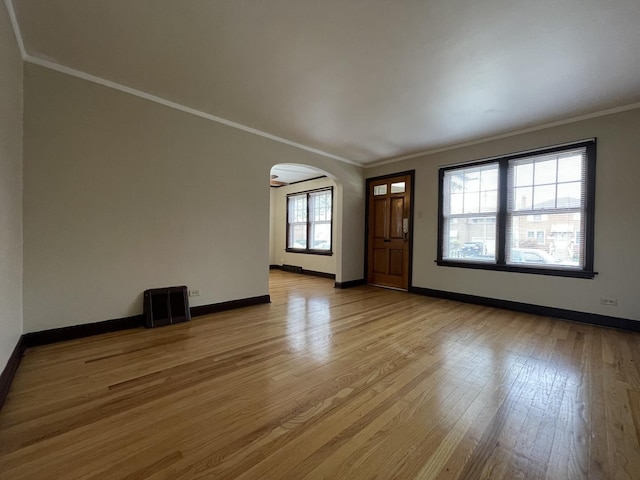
(501, 221)
(309, 223)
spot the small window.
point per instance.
(309, 222)
(523, 212)
(397, 187)
(380, 189)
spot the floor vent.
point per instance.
(166, 306)
(291, 268)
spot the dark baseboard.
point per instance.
(303, 271)
(350, 283)
(55, 335)
(10, 370)
(46, 337)
(592, 318)
(230, 305)
(313, 273)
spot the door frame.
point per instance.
(412, 176)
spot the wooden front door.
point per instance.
(389, 234)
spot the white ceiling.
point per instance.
(289, 173)
(364, 80)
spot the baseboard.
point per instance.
(46, 337)
(55, 335)
(10, 369)
(230, 305)
(350, 283)
(304, 271)
(584, 317)
(313, 273)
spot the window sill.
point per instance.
(309, 252)
(556, 272)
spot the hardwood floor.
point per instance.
(327, 383)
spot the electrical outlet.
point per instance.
(610, 302)
(194, 292)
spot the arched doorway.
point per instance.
(304, 232)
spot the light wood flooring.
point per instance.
(336, 384)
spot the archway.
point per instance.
(311, 242)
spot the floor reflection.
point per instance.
(309, 326)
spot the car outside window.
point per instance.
(530, 212)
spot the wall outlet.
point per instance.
(194, 292)
(610, 302)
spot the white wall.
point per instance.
(272, 226)
(617, 221)
(10, 190)
(318, 263)
(122, 194)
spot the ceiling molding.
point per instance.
(153, 98)
(16, 28)
(513, 133)
(177, 106)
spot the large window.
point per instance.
(528, 212)
(309, 221)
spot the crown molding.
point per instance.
(154, 98)
(600, 113)
(16, 27)
(192, 111)
(177, 106)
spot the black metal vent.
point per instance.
(166, 306)
(292, 268)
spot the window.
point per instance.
(471, 209)
(529, 212)
(536, 236)
(309, 221)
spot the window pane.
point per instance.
(320, 206)
(380, 189)
(472, 181)
(297, 208)
(321, 236)
(489, 179)
(472, 202)
(569, 195)
(524, 175)
(456, 180)
(456, 203)
(544, 197)
(523, 199)
(570, 168)
(298, 236)
(545, 172)
(557, 241)
(397, 187)
(470, 239)
(489, 201)
(471, 190)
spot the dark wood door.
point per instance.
(389, 234)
